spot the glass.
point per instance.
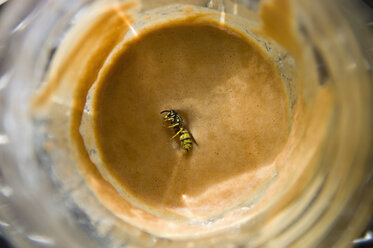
(326, 202)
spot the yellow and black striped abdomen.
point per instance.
(186, 140)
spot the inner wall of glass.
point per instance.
(340, 186)
(51, 184)
(34, 212)
(349, 139)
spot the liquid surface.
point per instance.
(226, 88)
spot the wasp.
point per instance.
(177, 123)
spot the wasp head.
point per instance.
(170, 114)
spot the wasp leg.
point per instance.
(181, 129)
(169, 119)
(174, 125)
(193, 138)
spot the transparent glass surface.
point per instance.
(45, 200)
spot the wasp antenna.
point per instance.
(164, 111)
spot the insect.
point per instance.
(177, 123)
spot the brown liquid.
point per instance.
(226, 88)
